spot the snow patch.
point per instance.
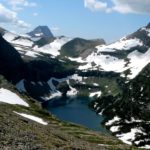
(53, 95)
(85, 67)
(31, 117)
(79, 59)
(38, 34)
(137, 62)
(9, 97)
(76, 77)
(72, 91)
(105, 62)
(54, 47)
(122, 44)
(98, 94)
(9, 36)
(23, 42)
(146, 147)
(110, 122)
(32, 54)
(114, 128)
(130, 136)
(101, 113)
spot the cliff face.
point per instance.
(11, 63)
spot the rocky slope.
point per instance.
(80, 47)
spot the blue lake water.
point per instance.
(76, 110)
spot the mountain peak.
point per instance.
(42, 27)
(148, 25)
(41, 31)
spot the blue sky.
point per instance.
(108, 19)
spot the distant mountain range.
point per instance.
(115, 76)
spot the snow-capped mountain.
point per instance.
(33, 47)
(41, 31)
(36, 46)
(128, 112)
(121, 56)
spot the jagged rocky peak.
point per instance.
(142, 34)
(148, 25)
(41, 31)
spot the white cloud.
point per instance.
(132, 6)
(121, 6)
(6, 15)
(19, 4)
(10, 17)
(22, 24)
(95, 5)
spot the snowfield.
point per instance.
(32, 54)
(31, 117)
(130, 136)
(8, 36)
(122, 44)
(137, 61)
(9, 97)
(54, 47)
(105, 62)
(23, 42)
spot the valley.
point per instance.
(57, 72)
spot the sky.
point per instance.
(89, 19)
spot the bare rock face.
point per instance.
(80, 47)
(11, 62)
(41, 31)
